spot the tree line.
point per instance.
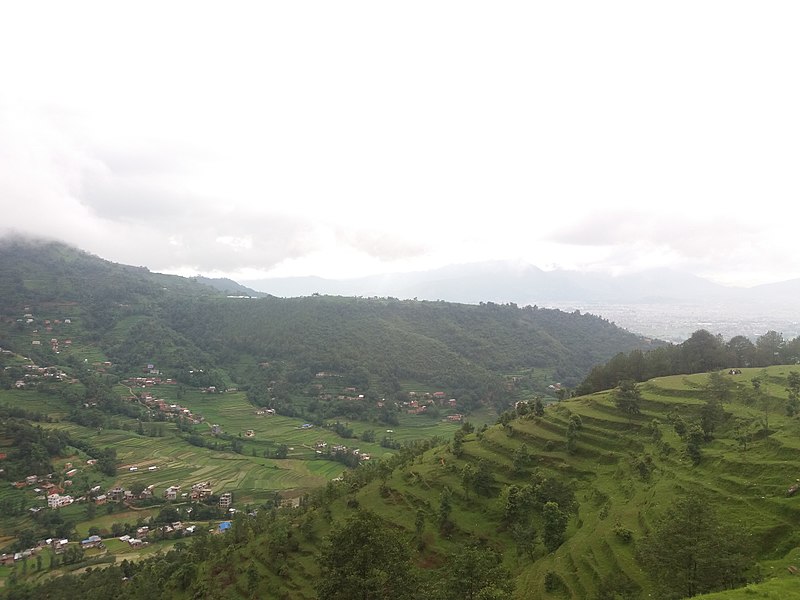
(701, 353)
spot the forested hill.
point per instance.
(133, 317)
(436, 342)
(36, 271)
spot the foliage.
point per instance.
(555, 525)
(627, 397)
(363, 558)
(474, 572)
(701, 353)
(690, 551)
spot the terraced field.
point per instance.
(749, 486)
(252, 477)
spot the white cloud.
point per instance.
(356, 137)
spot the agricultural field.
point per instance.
(744, 474)
(252, 475)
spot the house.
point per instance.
(225, 500)
(224, 526)
(101, 499)
(32, 479)
(93, 541)
(171, 493)
(58, 501)
(71, 472)
(201, 491)
(116, 494)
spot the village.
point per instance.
(139, 537)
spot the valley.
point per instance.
(197, 445)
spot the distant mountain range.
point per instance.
(661, 302)
(525, 284)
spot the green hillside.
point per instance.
(132, 317)
(612, 475)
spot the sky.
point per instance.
(340, 139)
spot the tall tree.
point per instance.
(627, 397)
(555, 525)
(364, 559)
(690, 551)
(474, 572)
(793, 388)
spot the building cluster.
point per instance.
(169, 409)
(36, 374)
(147, 382)
(60, 545)
(340, 449)
(418, 404)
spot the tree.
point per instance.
(793, 388)
(711, 415)
(627, 398)
(468, 474)
(419, 521)
(694, 437)
(575, 425)
(689, 551)
(458, 443)
(365, 559)
(538, 406)
(520, 459)
(445, 507)
(474, 572)
(702, 352)
(741, 351)
(555, 526)
(761, 389)
(770, 348)
(719, 387)
(484, 479)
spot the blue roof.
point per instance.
(225, 525)
(91, 538)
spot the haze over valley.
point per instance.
(659, 303)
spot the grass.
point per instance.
(747, 488)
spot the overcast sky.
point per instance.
(346, 138)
